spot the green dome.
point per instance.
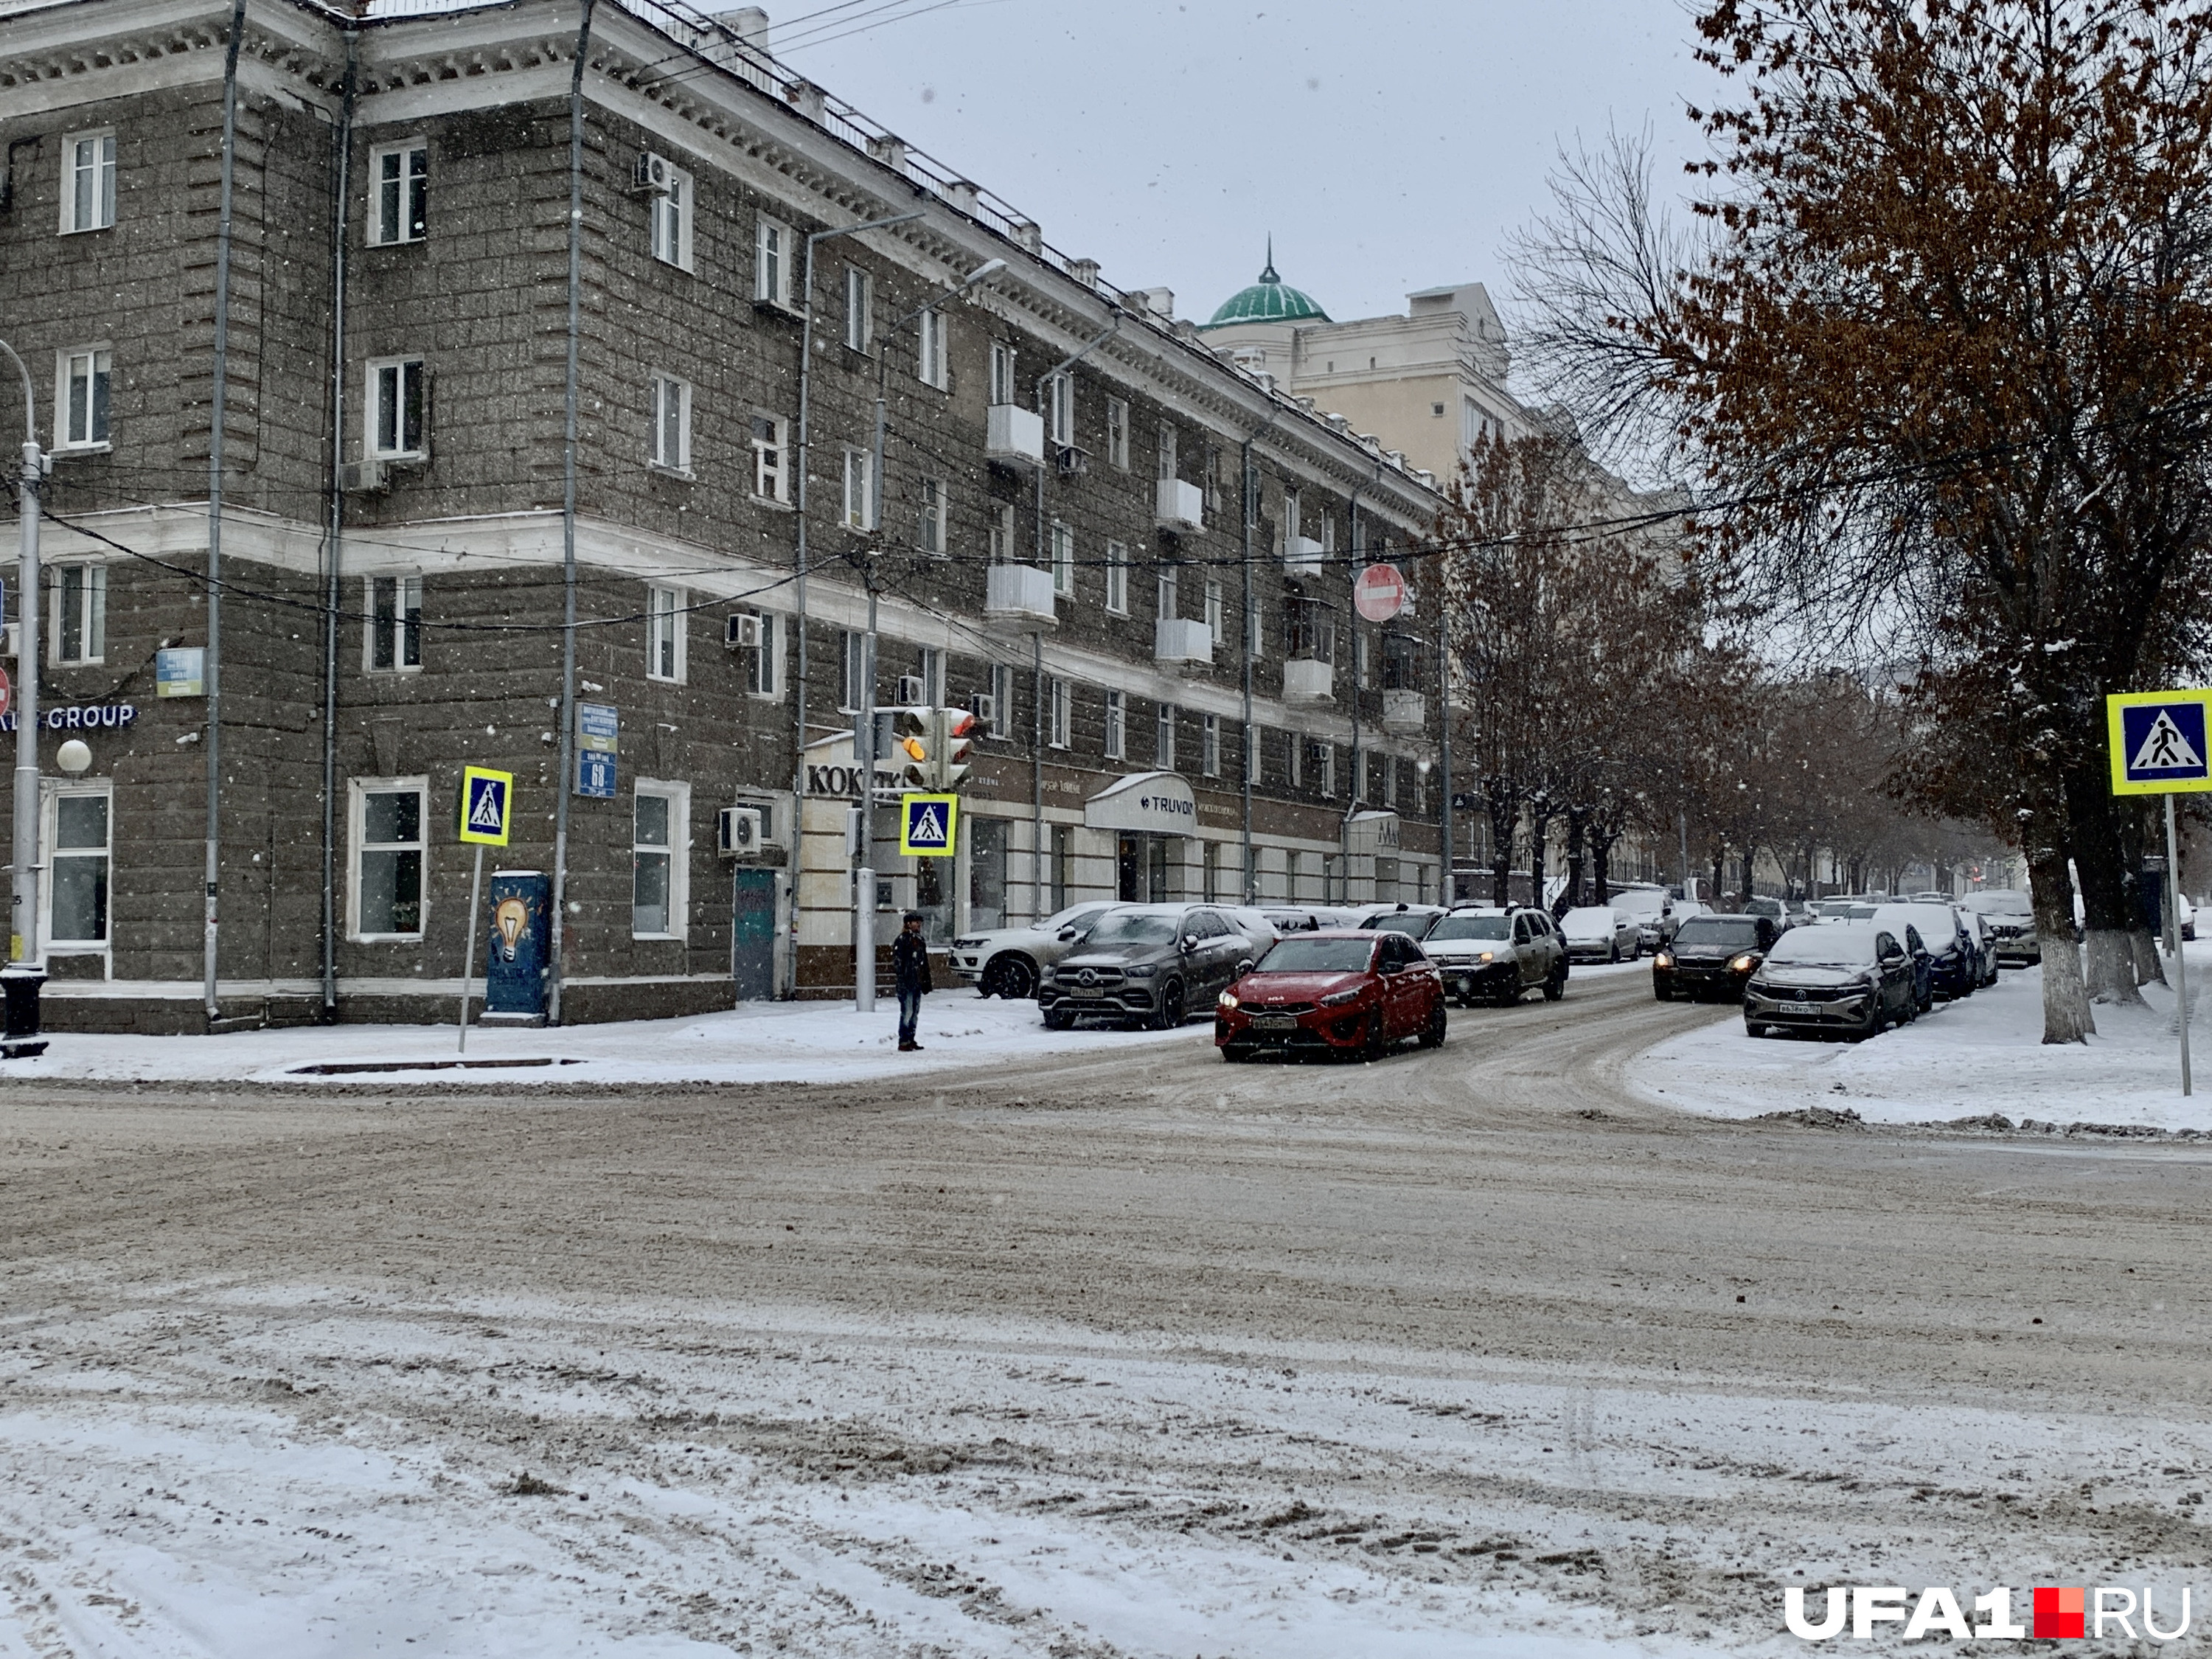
(1270, 299)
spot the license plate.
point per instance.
(1090, 991)
(1274, 1022)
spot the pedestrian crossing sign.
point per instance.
(928, 825)
(2159, 742)
(487, 805)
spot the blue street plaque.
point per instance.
(595, 774)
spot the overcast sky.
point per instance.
(1388, 146)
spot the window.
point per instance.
(1003, 390)
(772, 263)
(87, 181)
(929, 340)
(671, 218)
(1389, 763)
(763, 675)
(860, 308)
(1117, 433)
(1002, 534)
(1209, 751)
(80, 395)
(770, 480)
(929, 668)
(1253, 768)
(1063, 560)
(1293, 527)
(388, 818)
(672, 423)
(1325, 769)
(1117, 725)
(399, 175)
(1328, 534)
(79, 840)
(663, 633)
(1063, 861)
(1213, 611)
(1163, 736)
(1297, 747)
(396, 408)
(1254, 630)
(860, 490)
(1002, 701)
(395, 624)
(1165, 593)
(1359, 657)
(661, 835)
(930, 535)
(854, 692)
(1063, 712)
(80, 613)
(1167, 451)
(1117, 579)
(1060, 409)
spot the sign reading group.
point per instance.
(2158, 743)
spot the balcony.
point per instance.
(1014, 436)
(1303, 556)
(1189, 644)
(1308, 682)
(1404, 712)
(1181, 505)
(1018, 597)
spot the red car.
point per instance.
(1337, 991)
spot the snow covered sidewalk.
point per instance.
(1968, 1059)
(760, 1043)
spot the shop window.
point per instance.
(388, 816)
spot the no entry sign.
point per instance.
(1379, 592)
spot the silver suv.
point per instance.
(1495, 955)
(1010, 961)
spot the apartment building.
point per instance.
(1058, 505)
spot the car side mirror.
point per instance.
(1190, 941)
(1893, 956)
(1244, 967)
(1068, 935)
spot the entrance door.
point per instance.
(1156, 868)
(1128, 865)
(752, 929)
(986, 874)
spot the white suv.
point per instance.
(1010, 961)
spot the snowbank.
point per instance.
(1969, 1058)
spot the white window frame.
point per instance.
(931, 519)
(99, 377)
(52, 794)
(1001, 535)
(929, 350)
(666, 636)
(671, 425)
(1002, 700)
(1063, 712)
(1005, 388)
(1254, 753)
(1327, 757)
(853, 671)
(1168, 445)
(372, 428)
(778, 444)
(392, 202)
(1117, 726)
(1293, 519)
(669, 222)
(678, 853)
(1167, 593)
(1063, 560)
(1117, 433)
(358, 791)
(404, 587)
(91, 578)
(772, 247)
(1117, 579)
(764, 672)
(1255, 628)
(860, 308)
(860, 509)
(1209, 746)
(1163, 737)
(100, 208)
(1060, 409)
(1215, 610)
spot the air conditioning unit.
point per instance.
(910, 691)
(8, 640)
(738, 831)
(654, 176)
(363, 477)
(744, 633)
(985, 708)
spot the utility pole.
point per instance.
(28, 948)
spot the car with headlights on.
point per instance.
(1599, 932)
(1854, 979)
(1494, 955)
(1712, 957)
(1358, 992)
(1010, 961)
(1147, 965)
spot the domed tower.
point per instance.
(1270, 299)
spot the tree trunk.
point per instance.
(2066, 1016)
(1539, 819)
(1720, 864)
(1503, 802)
(2092, 830)
(1601, 864)
(1578, 827)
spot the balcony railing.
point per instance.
(1308, 682)
(1404, 711)
(1014, 436)
(1019, 596)
(1181, 505)
(1184, 642)
(1303, 556)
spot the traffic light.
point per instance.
(913, 743)
(951, 735)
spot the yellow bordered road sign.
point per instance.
(487, 805)
(2159, 744)
(929, 826)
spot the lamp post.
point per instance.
(25, 972)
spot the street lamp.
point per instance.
(24, 974)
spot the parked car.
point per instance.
(1684, 909)
(1774, 909)
(2184, 911)
(1010, 961)
(1497, 954)
(1929, 898)
(1654, 911)
(1598, 933)
(1147, 965)
(1854, 978)
(1985, 942)
(1411, 919)
(1344, 990)
(2011, 916)
(1712, 955)
(1253, 922)
(1305, 918)
(1953, 965)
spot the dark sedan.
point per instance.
(1851, 978)
(1335, 991)
(1711, 957)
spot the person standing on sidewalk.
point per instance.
(910, 970)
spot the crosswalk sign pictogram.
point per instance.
(487, 805)
(929, 826)
(2159, 742)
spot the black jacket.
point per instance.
(910, 962)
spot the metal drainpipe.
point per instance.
(1450, 893)
(557, 965)
(343, 140)
(214, 670)
(1351, 794)
(1248, 880)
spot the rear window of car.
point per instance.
(1450, 927)
(1729, 933)
(1317, 956)
(1400, 922)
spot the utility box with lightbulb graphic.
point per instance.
(515, 955)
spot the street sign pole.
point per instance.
(2161, 744)
(2180, 965)
(468, 954)
(487, 820)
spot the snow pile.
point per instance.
(1970, 1059)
